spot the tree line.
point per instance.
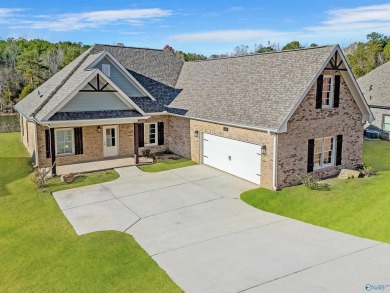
(26, 64)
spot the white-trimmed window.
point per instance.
(324, 151)
(386, 123)
(327, 91)
(64, 141)
(106, 69)
(150, 134)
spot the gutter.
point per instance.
(223, 123)
(379, 107)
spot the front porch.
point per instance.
(100, 165)
(88, 148)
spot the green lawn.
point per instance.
(165, 165)
(377, 154)
(39, 250)
(359, 207)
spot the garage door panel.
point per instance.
(241, 159)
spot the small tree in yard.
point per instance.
(313, 183)
(40, 177)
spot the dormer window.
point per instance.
(106, 69)
(328, 91)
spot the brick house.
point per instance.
(267, 118)
(376, 89)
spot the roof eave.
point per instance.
(92, 122)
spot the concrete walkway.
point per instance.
(99, 165)
(193, 224)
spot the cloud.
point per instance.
(7, 13)
(93, 19)
(355, 20)
(131, 33)
(229, 36)
(235, 8)
(338, 25)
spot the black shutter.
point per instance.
(47, 142)
(320, 81)
(141, 139)
(339, 149)
(310, 156)
(160, 127)
(53, 152)
(78, 140)
(336, 98)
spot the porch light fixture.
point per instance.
(196, 133)
(263, 150)
(99, 129)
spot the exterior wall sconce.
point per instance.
(99, 129)
(263, 150)
(196, 133)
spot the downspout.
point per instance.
(274, 179)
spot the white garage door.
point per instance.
(239, 158)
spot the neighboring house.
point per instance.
(267, 118)
(375, 86)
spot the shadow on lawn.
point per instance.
(11, 170)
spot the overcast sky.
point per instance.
(195, 26)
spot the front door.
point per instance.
(110, 141)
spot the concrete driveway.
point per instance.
(193, 224)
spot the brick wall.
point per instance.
(28, 134)
(126, 140)
(179, 138)
(92, 148)
(247, 135)
(158, 148)
(307, 123)
(43, 162)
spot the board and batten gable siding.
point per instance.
(120, 80)
(94, 101)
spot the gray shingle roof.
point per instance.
(375, 86)
(156, 70)
(159, 65)
(258, 90)
(77, 77)
(38, 98)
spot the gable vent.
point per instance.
(106, 69)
